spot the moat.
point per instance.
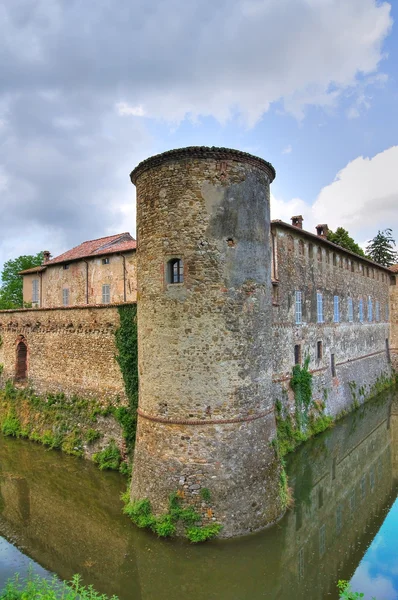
(63, 515)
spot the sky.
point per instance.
(89, 89)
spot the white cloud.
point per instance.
(287, 150)
(376, 586)
(125, 109)
(181, 58)
(363, 198)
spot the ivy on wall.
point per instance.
(126, 343)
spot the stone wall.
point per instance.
(70, 350)
(309, 264)
(394, 321)
(206, 408)
(120, 274)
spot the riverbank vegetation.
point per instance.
(34, 587)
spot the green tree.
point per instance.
(342, 238)
(11, 282)
(381, 248)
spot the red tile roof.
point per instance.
(394, 268)
(121, 242)
(38, 269)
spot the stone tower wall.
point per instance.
(205, 360)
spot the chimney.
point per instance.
(322, 230)
(46, 256)
(298, 221)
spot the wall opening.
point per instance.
(21, 367)
(297, 354)
(388, 350)
(333, 365)
(319, 352)
(175, 271)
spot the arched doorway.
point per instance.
(21, 368)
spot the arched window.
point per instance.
(175, 271)
(21, 366)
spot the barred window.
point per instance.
(319, 307)
(336, 310)
(360, 310)
(350, 311)
(65, 296)
(106, 294)
(370, 310)
(299, 308)
(35, 290)
(377, 310)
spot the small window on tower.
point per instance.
(105, 261)
(175, 271)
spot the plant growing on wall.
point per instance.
(301, 384)
(126, 343)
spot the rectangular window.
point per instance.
(65, 296)
(370, 310)
(319, 307)
(352, 500)
(377, 311)
(388, 351)
(106, 294)
(322, 540)
(319, 350)
(297, 354)
(387, 313)
(105, 261)
(336, 309)
(350, 311)
(301, 563)
(363, 487)
(66, 266)
(35, 290)
(333, 365)
(299, 308)
(339, 518)
(360, 310)
(372, 479)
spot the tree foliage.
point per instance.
(342, 238)
(381, 248)
(11, 282)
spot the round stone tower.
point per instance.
(204, 337)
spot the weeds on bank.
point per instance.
(140, 512)
(34, 587)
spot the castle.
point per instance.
(228, 302)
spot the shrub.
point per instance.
(109, 457)
(201, 534)
(11, 424)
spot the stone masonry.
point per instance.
(206, 409)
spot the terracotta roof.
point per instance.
(323, 240)
(121, 242)
(38, 269)
(110, 244)
(394, 268)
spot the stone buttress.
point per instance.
(204, 337)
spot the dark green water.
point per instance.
(65, 515)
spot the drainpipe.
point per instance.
(86, 280)
(124, 277)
